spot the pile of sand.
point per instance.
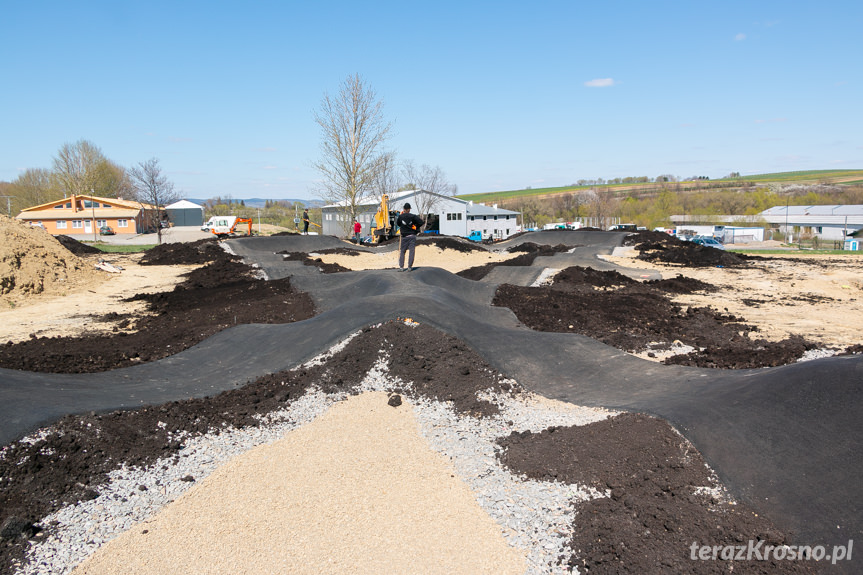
(32, 262)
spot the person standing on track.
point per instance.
(409, 226)
(358, 230)
(305, 222)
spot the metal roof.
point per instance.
(816, 210)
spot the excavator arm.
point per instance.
(245, 222)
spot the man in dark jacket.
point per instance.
(409, 226)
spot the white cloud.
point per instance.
(600, 83)
(271, 167)
(740, 37)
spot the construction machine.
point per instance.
(227, 227)
(384, 223)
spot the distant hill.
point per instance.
(810, 177)
(261, 202)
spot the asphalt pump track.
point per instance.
(785, 440)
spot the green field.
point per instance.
(121, 249)
(810, 176)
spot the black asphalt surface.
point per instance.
(785, 440)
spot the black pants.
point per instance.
(408, 242)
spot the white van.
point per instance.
(221, 221)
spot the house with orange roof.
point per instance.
(88, 214)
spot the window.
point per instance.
(61, 224)
(101, 223)
(91, 204)
(58, 207)
(76, 224)
(122, 223)
(69, 205)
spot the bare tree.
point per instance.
(33, 187)
(430, 179)
(601, 206)
(385, 180)
(352, 131)
(76, 167)
(153, 188)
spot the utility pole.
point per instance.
(8, 204)
(93, 208)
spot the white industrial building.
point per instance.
(443, 214)
(829, 222)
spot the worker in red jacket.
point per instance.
(358, 231)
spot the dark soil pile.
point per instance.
(653, 514)
(190, 253)
(531, 252)
(76, 247)
(668, 249)
(451, 243)
(636, 317)
(73, 458)
(212, 298)
(339, 251)
(307, 260)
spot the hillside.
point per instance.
(649, 188)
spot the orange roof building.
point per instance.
(88, 214)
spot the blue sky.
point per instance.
(500, 95)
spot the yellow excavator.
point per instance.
(385, 219)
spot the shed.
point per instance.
(185, 213)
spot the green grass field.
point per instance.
(810, 176)
(121, 249)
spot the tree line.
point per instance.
(600, 207)
(81, 168)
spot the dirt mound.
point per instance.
(199, 252)
(451, 243)
(655, 510)
(641, 317)
(578, 276)
(212, 298)
(667, 249)
(339, 251)
(76, 247)
(314, 262)
(32, 262)
(531, 252)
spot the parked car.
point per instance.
(707, 241)
(106, 231)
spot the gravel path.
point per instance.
(333, 483)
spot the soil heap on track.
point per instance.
(32, 262)
(222, 293)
